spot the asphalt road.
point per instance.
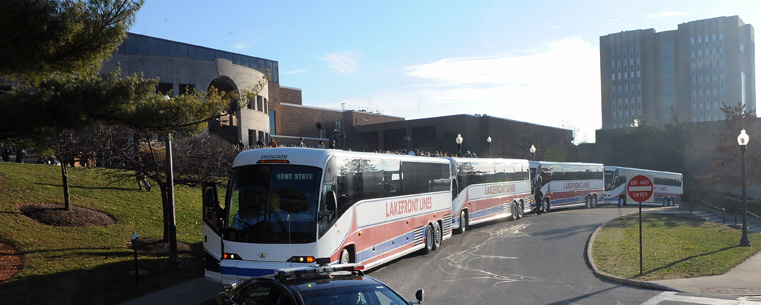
(535, 260)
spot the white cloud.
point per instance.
(296, 71)
(240, 46)
(346, 62)
(612, 22)
(557, 87)
(666, 14)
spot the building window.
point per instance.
(273, 130)
(165, 88)
(251, 138)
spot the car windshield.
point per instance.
(353, 295)
(273, 204)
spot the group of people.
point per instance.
(20, 155)
(273, 143)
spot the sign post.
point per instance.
(640, 189)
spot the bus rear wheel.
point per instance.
(589, 202)
(594, 201)
(436, 236)
(516, 211)
(428, 240)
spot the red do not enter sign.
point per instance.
(639, 188)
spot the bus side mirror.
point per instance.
(211, 209)
(332, 201)
(419, 296)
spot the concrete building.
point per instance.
(181, 67)
(279, 113)
(509, 139)
(688, 72)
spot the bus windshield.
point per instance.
(609, 180)
(273, 204)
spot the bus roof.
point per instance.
(612, 168)
(317, 156)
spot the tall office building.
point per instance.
(688, 72)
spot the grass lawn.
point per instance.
(674, 246)
(90, 265)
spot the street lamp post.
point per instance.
(532, 150)
(488, 140)
(459, 144)
(743, 139)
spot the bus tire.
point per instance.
(665, 202)
(589, 202)
(546, 205)
(516, 211)
(594, 201)
(345, 257)
(520, 209)
(436, 236)
(463, 222)
(428, 245)
(621, 202)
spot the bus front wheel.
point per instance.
(546, 205)
(621, 202)
(463, 221)
(345, 257)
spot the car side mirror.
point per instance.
(419, 296)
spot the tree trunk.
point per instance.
(65, 178)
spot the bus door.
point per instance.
(213, 215)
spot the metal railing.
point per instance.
(723, 212)
(739, 210)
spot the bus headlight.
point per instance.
(231, 256)
(301, 259)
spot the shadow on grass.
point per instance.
(686, 259)
(92, 187)
(659, 220)
(105, 284)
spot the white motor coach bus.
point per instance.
(567, 184)
(667, 186)
(285, 207)
(489, 189)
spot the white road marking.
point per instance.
(673, 297)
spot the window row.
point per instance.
(362, 179)
(259, 104)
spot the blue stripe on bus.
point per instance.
(388, 246)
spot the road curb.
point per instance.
(588, 251)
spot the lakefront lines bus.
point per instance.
(285, 207)
(489, 189)
(667, 186)
(567, 184)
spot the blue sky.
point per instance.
(534, 61)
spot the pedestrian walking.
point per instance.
(7, 155)
(538, 196)
(20, 155)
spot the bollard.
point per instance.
(135, 241)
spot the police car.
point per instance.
(322, 284)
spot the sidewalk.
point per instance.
(194, 292)
(744, 279)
